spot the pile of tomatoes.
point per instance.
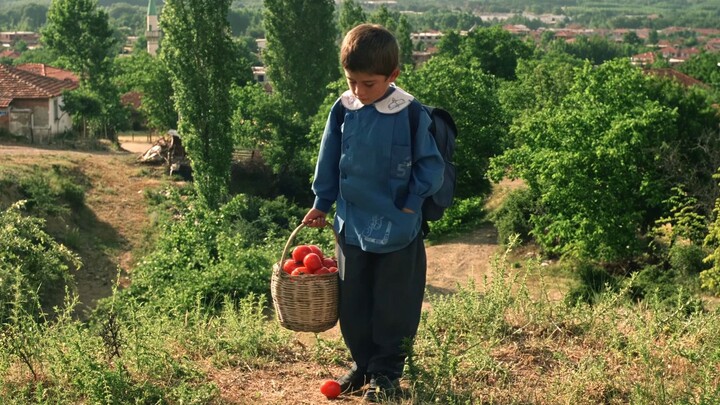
(309, 259)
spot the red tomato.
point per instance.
(298, 271)
(322, 270)
(289, 265)
(316, 249)
(300, 251)
(328, 262)
(332, 269)
(312, 261)
(330, 388)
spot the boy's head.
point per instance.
(370, 48)
(370, 58)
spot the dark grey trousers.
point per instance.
(380, 303)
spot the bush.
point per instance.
(52, 192)
(594, 281)
(202, 255)
(463, 215)
(666, 287)
(687, 259)
(31, 262)
(513, 216)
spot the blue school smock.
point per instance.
(369, 166)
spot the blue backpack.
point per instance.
(444, 130)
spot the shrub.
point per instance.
(463, 215)
(687, 259)
(594, 281)
(31, 261)
(202, 255)
(513, 216)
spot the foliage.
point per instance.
(594, 282)
(31, 263)
(23, 17)
(80, 32)
(301, 55)
(267, 122)
(690, 155)
(202, 255)
(464, 215)
(704, 67)
(471, 96)
(513, 216)
(496, 50)
(541, 83)
(196, 44)
(595, 48)
(351, 14)
(710, 278)
(130, 353)
(592, 162)
(151, 77)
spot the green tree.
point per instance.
(632, 38)
(653, 37)
(351, 14)
(541, 84)
(471, 96)
(495, 49)
(198, 49)
(403, 33)
(593, 160)
(301, 55)
(79, 31)
(151, 77)
(385, 17)
(449, 44)
(268, 122)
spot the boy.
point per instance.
(378, 173)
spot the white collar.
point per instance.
(395, 102)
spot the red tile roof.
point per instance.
(679, 77)
(49, 71)
(18, 83)
(9, 53)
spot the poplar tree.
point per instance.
(351, 14)
(198, 50)
(302, 54)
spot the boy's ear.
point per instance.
(394, 75)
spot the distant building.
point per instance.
(31, 103)
(152, 31)
(427, 38)
(9, 38)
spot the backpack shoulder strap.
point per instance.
(338, 113)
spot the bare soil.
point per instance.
(116, 199)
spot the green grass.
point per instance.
(497, 342)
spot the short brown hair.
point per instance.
(370, 48)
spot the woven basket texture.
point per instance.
(304, 303)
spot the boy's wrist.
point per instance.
(414, 202)
(322, 204)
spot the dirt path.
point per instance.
(115, 198)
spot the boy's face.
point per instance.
(369, 87)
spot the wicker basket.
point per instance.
(304, 303)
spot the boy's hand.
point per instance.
(408, 210)
(314, 218)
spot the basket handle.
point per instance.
(292, 238)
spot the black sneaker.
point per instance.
(382, 389)
(352, 381)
